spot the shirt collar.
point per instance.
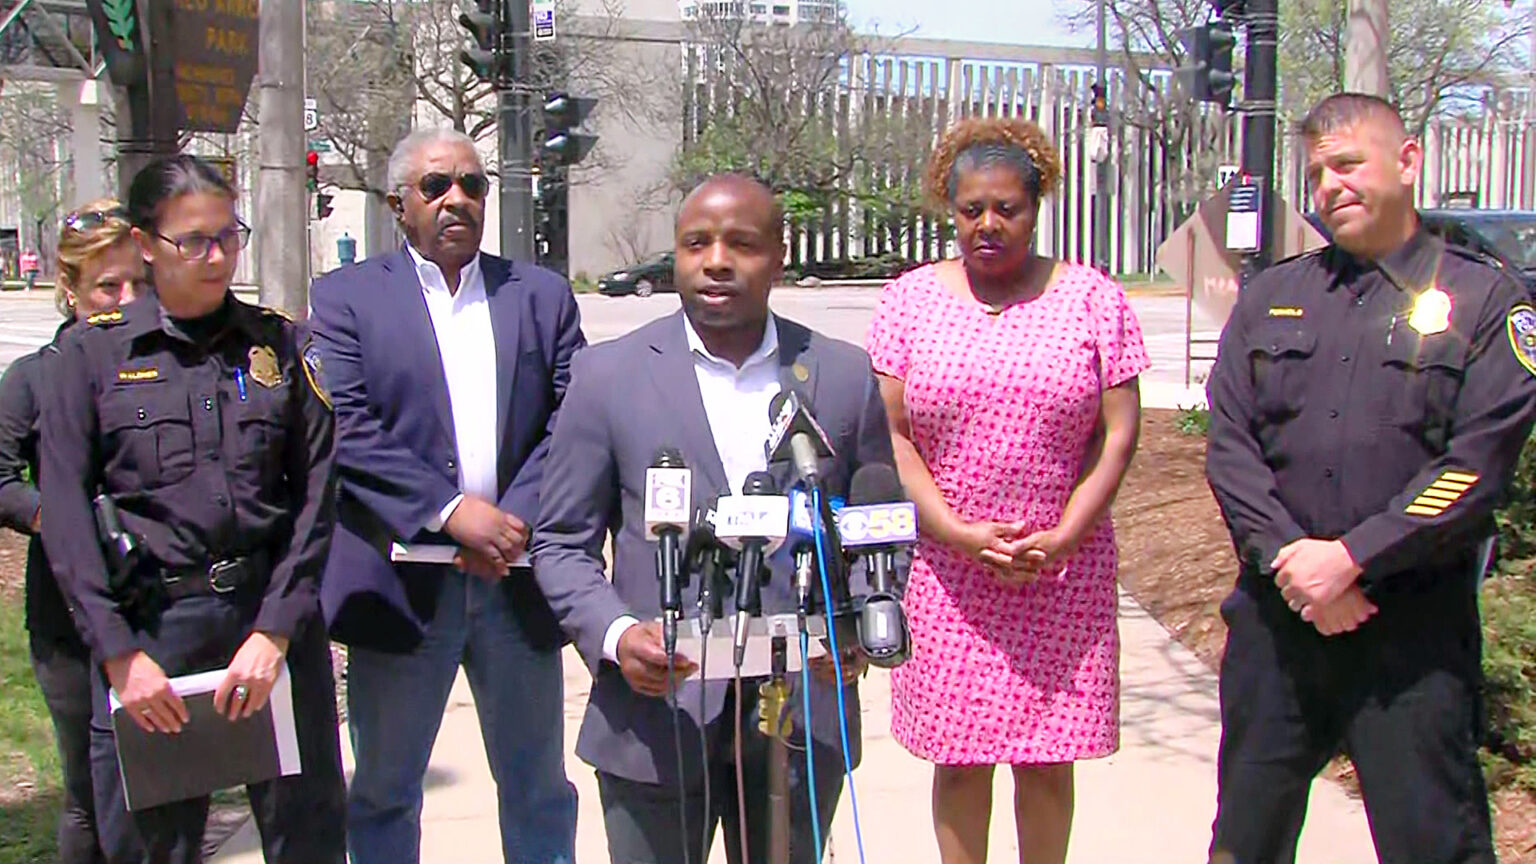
(767, 349)
(1412, 267)
(424, 268)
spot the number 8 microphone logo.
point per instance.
(667, 496)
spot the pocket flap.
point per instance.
(1278, 343)
(125, 412)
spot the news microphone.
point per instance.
(873, 525)
(708, 557)
(755, 522)
(795, 436)
(668, 502)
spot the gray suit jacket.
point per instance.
(628, 398)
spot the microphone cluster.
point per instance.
(736, 534)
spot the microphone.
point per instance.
(668, 500)
(796, 436)
(709, 558)
(876, 522)
(755, 522)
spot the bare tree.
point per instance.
(1190, 139)
(32, 125)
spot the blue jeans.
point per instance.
(395, 707)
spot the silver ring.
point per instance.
(241, 692)
(146, 711)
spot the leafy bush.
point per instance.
(1509, 637)
(1193, 420)
(887, 265)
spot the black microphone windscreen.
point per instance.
(668, 457)
(760, 483)
(875, 483)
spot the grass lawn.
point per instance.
(29, 765)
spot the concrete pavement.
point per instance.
(1151, 803)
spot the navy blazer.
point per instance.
(397, 456)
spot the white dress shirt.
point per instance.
(736, 403)
(461, 321)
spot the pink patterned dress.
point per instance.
(1002, 408)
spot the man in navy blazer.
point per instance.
(447, 367)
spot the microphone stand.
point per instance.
(773, 720)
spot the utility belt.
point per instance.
(225, 576)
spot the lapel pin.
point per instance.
(801, 373)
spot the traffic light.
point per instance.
(1207, 73)
(552, 221)
(1100, 113)
(562, 114)
(487, 59)
(322, 205)
(312, 171)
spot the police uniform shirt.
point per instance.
(1382, 404)
(214, 437)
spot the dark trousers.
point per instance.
(642, 818)
(1401, 696)
(302, 818)
(64, 675)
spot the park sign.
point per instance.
(1197, 257)
(213, 47)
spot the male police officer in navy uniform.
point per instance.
(1368, 405)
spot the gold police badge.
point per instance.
(1431, 312)
(264, 369)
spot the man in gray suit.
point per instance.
(701, 382)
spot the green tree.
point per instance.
(1441, 53)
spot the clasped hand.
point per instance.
(489, 538)
(1013, 554)
(1318, 579)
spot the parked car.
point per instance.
(643, 279)
(1506, 235)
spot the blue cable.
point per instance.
(810, 763)
(819, 529)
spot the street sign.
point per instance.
(311, 115)
(543, 20)
(214, 50)
(1243, 209)
(1224, 174)
(1195, 254)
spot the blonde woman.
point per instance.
(99, 267)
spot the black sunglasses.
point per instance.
(89, 220)
(436, 184)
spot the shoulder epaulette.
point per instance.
(276, 313)
(102, 319)
(1493, 261)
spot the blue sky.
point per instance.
(1023, 22)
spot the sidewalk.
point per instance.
(1151, 803)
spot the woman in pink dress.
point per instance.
(1011, 384)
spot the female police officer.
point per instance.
(198, 415)
(99, 267)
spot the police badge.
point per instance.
(1431, 312)
(264, 369)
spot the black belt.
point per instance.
(221, 577)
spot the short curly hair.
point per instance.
(1015, 134)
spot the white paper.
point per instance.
(437, 553)
(1242, 231)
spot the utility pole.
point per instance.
(515, 135)
(1101, 181)
(1365, 53)
(283, 226)
(1263, 21)
(153, 111)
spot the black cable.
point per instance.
(677, 736)
(709, 816)
(741, 782)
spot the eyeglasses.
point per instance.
(436, 184)
(90, 220)
(195, 247)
